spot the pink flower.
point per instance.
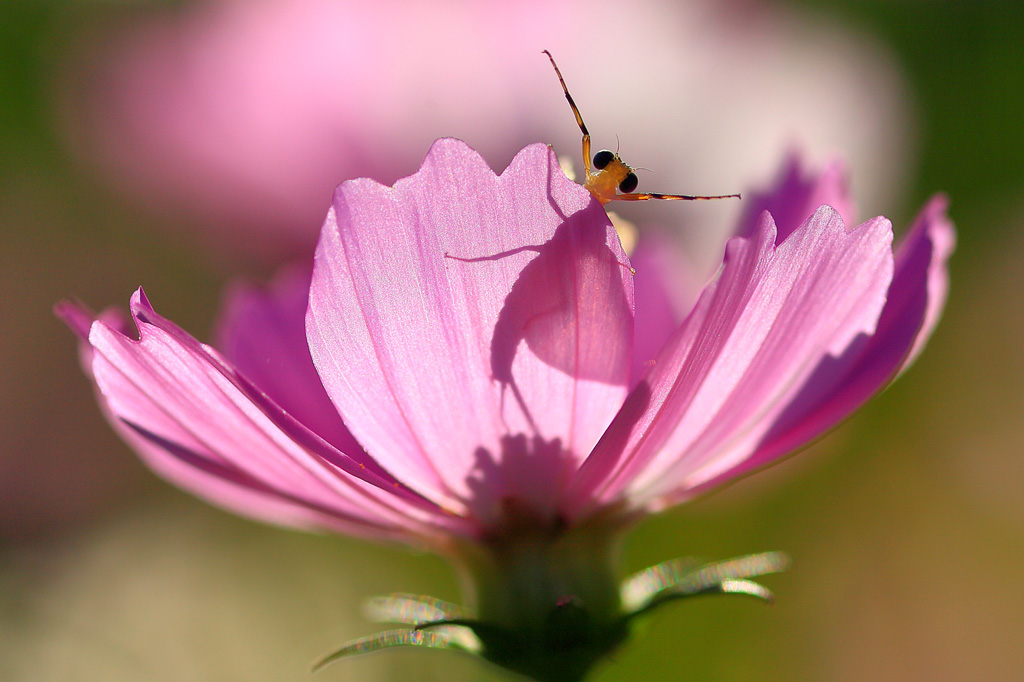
(464, 379)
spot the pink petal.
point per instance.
(205, 427)
(262, 333)
(914, 302)
(923, 251)
(468, 326)
(666, 286)
(77, 317)
(796, 194)
(780, 315)
(188, 470)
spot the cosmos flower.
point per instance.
(458, 373)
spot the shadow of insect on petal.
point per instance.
(569, 304)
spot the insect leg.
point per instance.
(576, 113)
(646, 196)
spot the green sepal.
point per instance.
(412, 609)
(434, 639)
(680, 578)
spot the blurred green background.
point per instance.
(906, 525)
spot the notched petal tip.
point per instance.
(797, 191)
(933, 220)
(921, 284)
(140, 306)
(445, 153)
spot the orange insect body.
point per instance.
(611, 178)
(604, 183)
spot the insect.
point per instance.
(611, 179)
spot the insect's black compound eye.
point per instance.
(603, 158)
(628, 183)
